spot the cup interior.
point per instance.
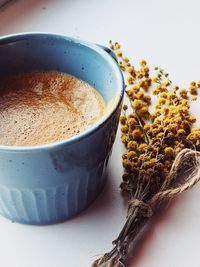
(29, 52)
(42, 52)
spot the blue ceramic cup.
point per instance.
(49, 183)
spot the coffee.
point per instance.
(44, 107)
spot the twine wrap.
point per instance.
(144, 209)
(138, 209)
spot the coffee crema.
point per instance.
(44, 107)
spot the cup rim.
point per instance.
(17, 37)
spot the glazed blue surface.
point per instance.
(50, 183)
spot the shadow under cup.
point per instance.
(50, 183)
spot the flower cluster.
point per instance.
(153, 139)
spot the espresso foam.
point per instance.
(44, 107)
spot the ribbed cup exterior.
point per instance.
(53, 204)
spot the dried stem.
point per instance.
(139, 212)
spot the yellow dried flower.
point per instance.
(132, 145)
(131, 94)
(192, 137)
(130, 79)
(171, 96)
(147, 164)
(122, 119)
(139, 75)
(157, 122)
(142, 157)
(118, 53)
(183, 93)
(156, 91)
(116, 46)
(142, 148)
(150, 163)
(125, 59)
(155, 79)
(193, 90)
(196, 130)
(140, 95)
(127, 164)
(138, 104)
(135, 89)
(181, 146)
(143, 112)
(147, 127)
(132, 122)
(131, 116)
(143, 62)
(153, 161)
(183, 110)
(141, 83)
(155, 131)
(155, 114)
(158, 106)
(148, 81)
(131, 155)
(193, 84)
(160, 135)
(192, 119)
(162, 88)
(131, 69)
(169, 151)
(147, 99)
(194, 98)
(123, 68)
(137, 134)
(124, 138)
(163, 95)
(153, 141)
(161, 101)
(173, 128)
(176, 88)
(166, 84)
(165, 111)
(124, 129)
(124, 155)
(181, 132)
(145, 69)
(125, 107)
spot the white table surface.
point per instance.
(166, 33)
